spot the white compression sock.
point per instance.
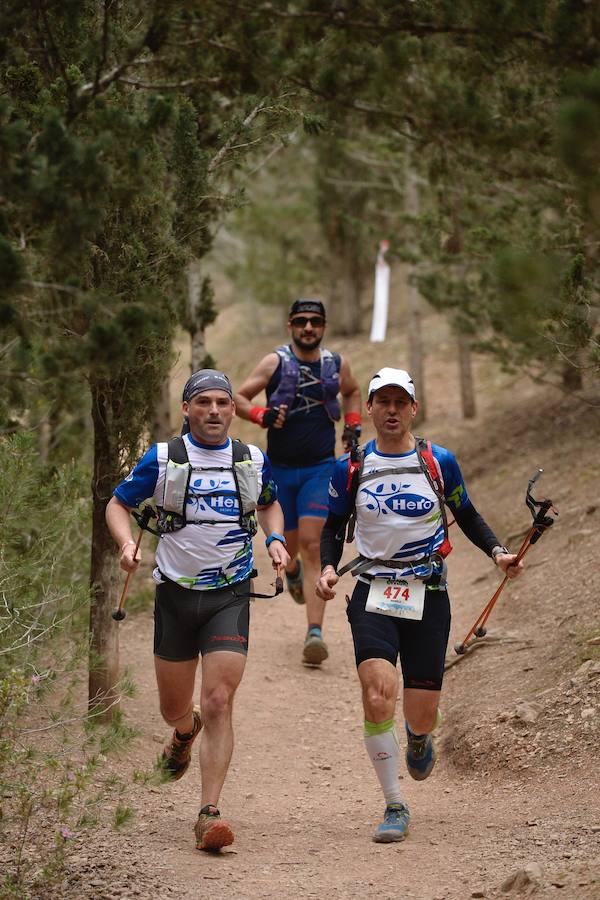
(381, 742)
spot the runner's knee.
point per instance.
(173, 711)
(217, 702)
(309, 547)
(378, 699)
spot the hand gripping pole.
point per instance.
(142, 519)
(541, 522)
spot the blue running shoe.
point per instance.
(420, 755)
(394, 826)
(315, 649)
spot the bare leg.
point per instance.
(221, 674)
(379, 683)
(420, 708)
(175, 682)
(309, 539)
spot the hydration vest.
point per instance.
(428, 465)
(287, 389)
(172, 512)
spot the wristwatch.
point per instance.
(275, 537)
(497, 550)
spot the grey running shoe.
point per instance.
(394, 826)
(315, 649)
(211, 831)
(177, 754)
(295, 584)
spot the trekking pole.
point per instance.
(541, 522)
(278, 586)
(142, 519)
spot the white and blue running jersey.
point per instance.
(201, 556)
(398, 515)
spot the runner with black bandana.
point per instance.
(302, 382)
(203, 568)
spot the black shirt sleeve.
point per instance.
(332, 540)
(476, 528)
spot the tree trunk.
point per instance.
(343, 308)
(198, 338)
(465, 367)
(104, 636)
(415, 312)
(161, 425)
(572, 378)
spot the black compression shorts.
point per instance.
(421, 645)
(188, 622)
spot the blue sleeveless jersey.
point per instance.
(308, 435)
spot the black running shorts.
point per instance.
(188, 622)
(420, 645)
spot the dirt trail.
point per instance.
(303, 799)
(511, 808)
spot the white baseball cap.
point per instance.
(387, 377)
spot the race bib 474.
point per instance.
(398, 598)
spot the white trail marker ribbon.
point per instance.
(381, 295)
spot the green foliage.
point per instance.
(51, 751)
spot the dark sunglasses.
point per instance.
(302, 321)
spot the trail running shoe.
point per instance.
(177, 754)
(295, 584)
(394, 826)
(211, 831)
(420, 755)
(315, 649)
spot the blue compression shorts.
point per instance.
(303, 491)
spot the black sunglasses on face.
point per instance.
(302, 321)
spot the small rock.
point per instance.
(529, 874)
(588, 712)
(593, 642)
(478, 893)
(527, 712)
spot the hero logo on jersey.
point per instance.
(409, 505)
(210, 494)
(390, 498)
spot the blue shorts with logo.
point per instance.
(303, 491)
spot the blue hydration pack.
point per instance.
(287, 389)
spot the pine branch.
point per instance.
(337, 19)
(230, 142)
(169, 86)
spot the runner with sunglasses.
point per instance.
(302, 382)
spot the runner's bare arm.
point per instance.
(350, 392)
(270, 519)
(253, 385)
(349, 389)
(118, 520)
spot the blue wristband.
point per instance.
(275, 537)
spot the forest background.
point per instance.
(164, 166)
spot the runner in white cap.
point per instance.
(395, 494)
